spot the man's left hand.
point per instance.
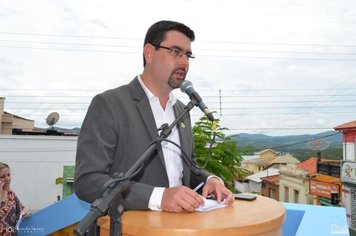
(214, 186)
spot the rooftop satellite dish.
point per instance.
(52, 119)
(318, 145)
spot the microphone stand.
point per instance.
(110, 200)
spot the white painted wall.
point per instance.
(36, 162)
(249, 186)
(241, 186)
(349, 151)
(295, 179)
(255, 187)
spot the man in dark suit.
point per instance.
(122, 122)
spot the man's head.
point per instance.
(157, 33)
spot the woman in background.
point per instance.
(10, 205)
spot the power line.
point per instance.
(72, 44)
(285, 44)
(210, 102)
(210, 96)
(140, 47)
(202, 55)
(215, 90)
(203, 41)
(222, 52)
(284, 128)
(281, 119)
(286, 113)
(291, 107)
(69, 36)
(70, 49)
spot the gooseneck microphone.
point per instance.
(187, 87)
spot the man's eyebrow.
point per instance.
(188, 51)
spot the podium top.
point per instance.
(263, 216)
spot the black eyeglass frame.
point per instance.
(177, 51)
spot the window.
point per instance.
(272, 193)
(296, 196)
(286, 194)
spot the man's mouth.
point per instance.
(180, 74)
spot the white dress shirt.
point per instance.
(171, 153)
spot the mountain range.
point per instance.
(329, 143)
(303, 146)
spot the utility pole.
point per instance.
(220, 102)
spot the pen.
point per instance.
(198, 186)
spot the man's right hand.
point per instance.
(181, 198)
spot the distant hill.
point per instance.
(75, 130)
(297, 145)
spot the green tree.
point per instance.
(224, 158)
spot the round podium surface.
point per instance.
(262, 217)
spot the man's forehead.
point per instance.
(178, 38)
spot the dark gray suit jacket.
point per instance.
(118, 127)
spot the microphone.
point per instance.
(187, 87)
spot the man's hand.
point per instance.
(178, 199)
(214, 186)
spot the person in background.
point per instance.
(122, 122)
(10, 206)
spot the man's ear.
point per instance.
(148, 51)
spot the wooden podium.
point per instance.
(262, 217)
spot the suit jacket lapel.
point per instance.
(146, 114)
(144, 108)
(183, 125)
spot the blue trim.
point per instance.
(292, 222)
(301, 219)
(315, 220)
(58, 216)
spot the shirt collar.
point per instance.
(172, 98)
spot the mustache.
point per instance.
(180, 69)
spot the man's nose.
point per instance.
(184, 60)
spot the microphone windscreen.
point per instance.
(185, 85)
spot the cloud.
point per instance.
(257, 61)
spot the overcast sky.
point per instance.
(275, 67)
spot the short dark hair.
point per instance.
(157, 32)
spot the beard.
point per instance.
(175, 82)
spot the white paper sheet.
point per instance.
(210, 205)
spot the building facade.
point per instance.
(270, 187)
(294, 185)
(263, 159)
(36, 163)
(348, 172)
(9, 121)
(253, 183)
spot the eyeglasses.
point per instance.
(176, 51)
